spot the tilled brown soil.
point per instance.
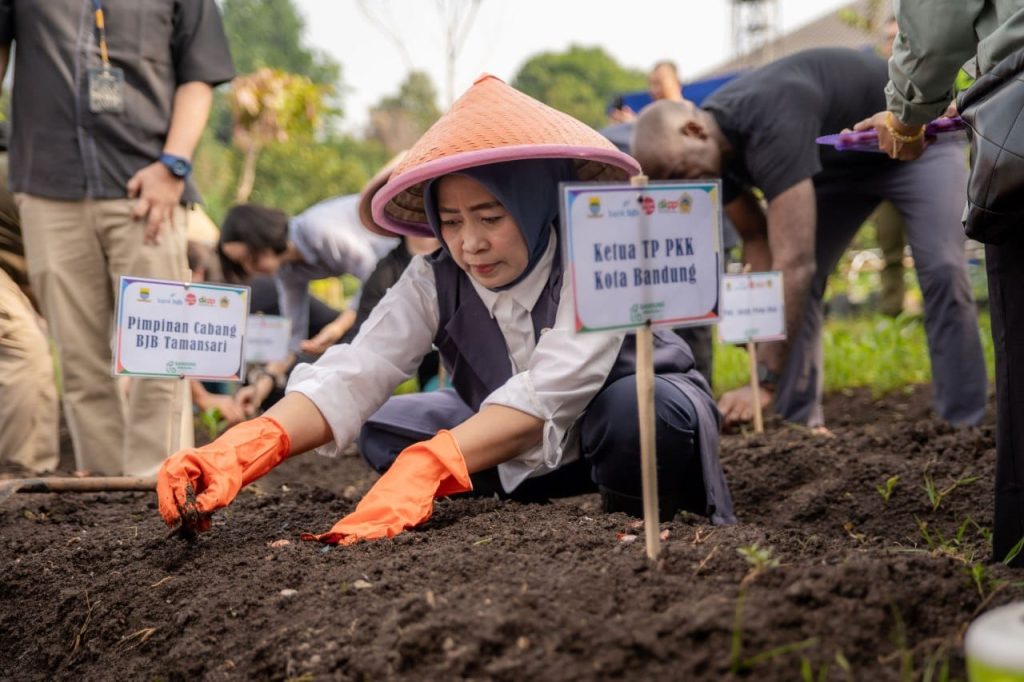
(855, 588)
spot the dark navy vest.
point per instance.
(474, 351)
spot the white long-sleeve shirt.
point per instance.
(332, 242)
(563, 371)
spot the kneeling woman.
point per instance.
(535, 410)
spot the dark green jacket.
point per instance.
(936, 39)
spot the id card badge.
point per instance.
(106, 90)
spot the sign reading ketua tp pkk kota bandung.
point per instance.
(752, 308)
(639, 254)
(173, 329)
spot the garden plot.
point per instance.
(858, 557)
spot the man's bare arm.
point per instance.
(158, 191)
(748, 218)
(792, 218)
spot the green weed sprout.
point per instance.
(807, 671)
(886, 490)
(935, 496)
(759, 559)
(1014, 551)
(213, 421)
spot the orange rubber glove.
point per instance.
(404, 496)
(196, 481)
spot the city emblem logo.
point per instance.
(595, 207)
(685, 203)
(224, 302)
(144, 294)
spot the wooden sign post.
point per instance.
(648, 426)
(641, 256)
(755, 388)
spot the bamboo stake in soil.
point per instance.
(57, 484)
(648, 465)
(645, 408)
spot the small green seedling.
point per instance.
(213, 421)
(1016, 550)
(886, 490)
(759, 558)
(807, 671)
(935, 496)
(980, 578)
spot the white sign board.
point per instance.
(173, 329)
(266, 338)
(638, 254)
(752, 308)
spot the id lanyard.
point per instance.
(101, 28)
(106, 83)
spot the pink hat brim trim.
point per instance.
(450, 164)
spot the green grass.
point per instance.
(880, 352)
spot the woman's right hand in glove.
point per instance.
(194, 482)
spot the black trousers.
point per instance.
(1005, 264)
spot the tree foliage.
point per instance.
(397, 122)
(580, 81)
(268, 33)
(272, 106)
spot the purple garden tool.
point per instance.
(867, 140)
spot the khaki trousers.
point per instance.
(76, 253)
(28, 406)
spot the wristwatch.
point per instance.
(179, 166)
(766, 377)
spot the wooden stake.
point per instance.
(648, 454)
(57, 484)
(755, 387)
(648, 427)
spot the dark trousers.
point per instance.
(1005, 265)
(929, 194)
(609, 446)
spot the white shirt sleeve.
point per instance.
(566, 371)
(293, 302)
(351, 381)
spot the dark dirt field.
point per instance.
(855, 588)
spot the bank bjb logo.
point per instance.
(144, 294)
(595, 207)
(190, 298)
(224, 302)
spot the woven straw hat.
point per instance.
(492, 122)
(370, 189)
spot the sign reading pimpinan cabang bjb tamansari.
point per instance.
(639, 254)
(173, 329)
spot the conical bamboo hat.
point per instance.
(492, 122)
(370, 189)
